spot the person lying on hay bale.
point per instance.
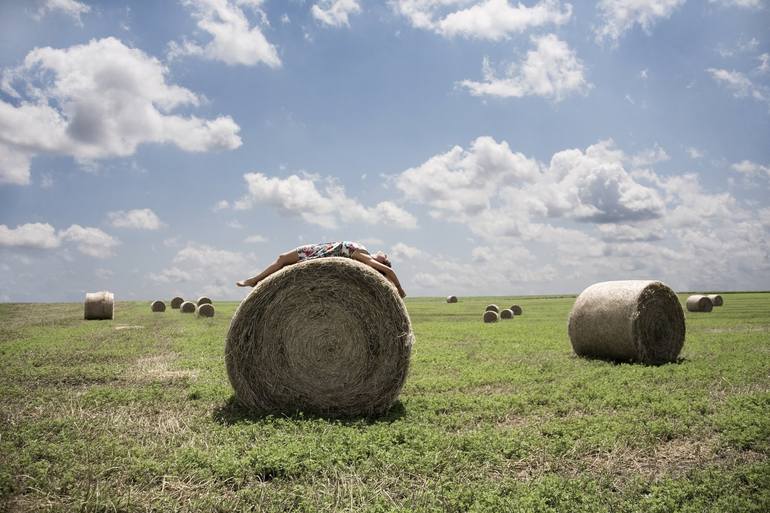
(379, 261)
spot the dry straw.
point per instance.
(451, 299)
(206, 310)
(506, 314)
(328, 336)
(158, 306)
(203, 300)
(99, 306)
(491, 316)
(492, 308)
(636, 320)
(699, 303)
(176, 302)
(187, 307)
(716, 299)
(516, 309)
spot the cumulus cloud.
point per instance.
(619, 16)
(234, 40)
(327, 206)
(335, 13)
(750, 4)
(551, 70)
(255, 239)
(137, 219)
(94, 101)
(401, 251)
(89, 241)
(739, 84)
(649, 157)
(71, 8)
(486, 19)
(750, 168)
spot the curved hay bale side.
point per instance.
(506, 314)
(451, 299)
(516, 309)
(491, 316)
(716, 299)
(99, 306)
(328, 336)
(699, 303)
(492, 308)
(203, 300)
(206, 310)
(158, 306)
(187, 307)
(176, 302)
(635, 320)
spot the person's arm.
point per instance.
(384, 269)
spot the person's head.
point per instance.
(382, 258)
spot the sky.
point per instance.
(490, 147)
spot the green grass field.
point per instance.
(136, 414)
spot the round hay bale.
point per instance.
(492, 308)
(699, 303)
(506, 314)
(716, 299)
(328, 336)
(187, 307)
(99, 306)
(516, 309)
(206, 310)
(158, 306)
(176, 302)
(491, 316)
(203, 300)
(451, 299)
(636, 320)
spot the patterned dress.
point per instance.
(344, 248)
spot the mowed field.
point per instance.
(136, 414)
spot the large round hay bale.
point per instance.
(699, 303)
(716, 299)
(635, 320)
(506, 314)
(158, 306)
(451, 299)
(329, 336)
(203, 300)
(206, 310)
(492, 308)
(491, 316)
(176, 302)
(516, 309)
(99, 306)
(187, 307)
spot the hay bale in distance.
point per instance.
(716, 299)
(699, 303)
(451, 299)
(328, 336)
(176, 302)
(516, 309)
(158, 306)
(205, 310)
(99, 306)
(506, 314)
(491, 316)
(203, 300)
(492, 308)
(187, 307)
(635, 320)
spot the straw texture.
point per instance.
(716, 299)
(636, 320)
(328, 336)
(492, 308)
(99, 306)
(187, 307)
(451, 299)
(158, 306)
(699, 303)
(491, 316)
(516, 309)
(176, 302)
(205, 310)
(203, 300)
(506, 314)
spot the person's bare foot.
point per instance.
(247, 283)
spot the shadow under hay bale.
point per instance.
(206, 310)
(187, 307)
(492, 308)
(636, 320)
(516, 309)
(716, 299)
(506, 314)
(451, 299)
(328, 336)
(699, 303)
(99, 306)
(491, 316)
(158, 306)
(203, 300)
(176, 302)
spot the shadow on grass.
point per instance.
(231, 412)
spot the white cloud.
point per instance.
(751, 4)
(401, 251)
(255, 239)
(171, 275)
(740, 85)
(137, 219)
(764, 63)
(90, 241)
(94, 101)
(649, 157)
(233, 38)
(221, 205)
(335, 13)
(30, 235)
(71, 8)
(750, 168)
(694, 153)
(485, 19)
(300, 196)
(551, 70)
(619, 16)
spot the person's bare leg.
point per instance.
(282, 261)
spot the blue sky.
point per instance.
(489, 146)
